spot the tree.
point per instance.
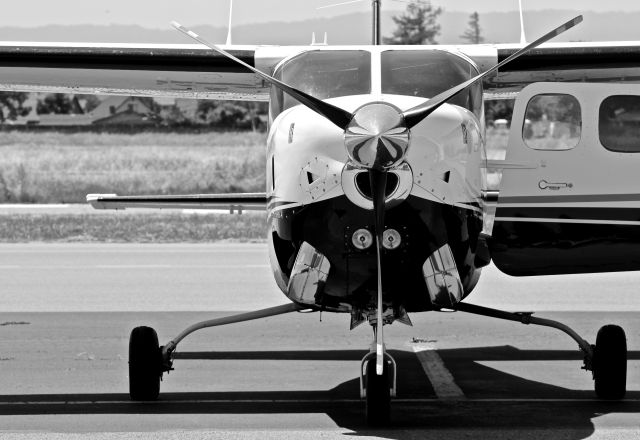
(418, 25)
(11, 105)
(498, 109)
(237, 115)
(67, 104)
(56, 103)
(473, 34)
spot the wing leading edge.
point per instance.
(615, 61)
(178, 70)
(232, 202)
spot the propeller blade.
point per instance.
(378, 182)
(416, 114)
(338, 116)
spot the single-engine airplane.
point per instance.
(377, 191)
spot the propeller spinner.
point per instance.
(377, 136)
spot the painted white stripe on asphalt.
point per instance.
(440, 377)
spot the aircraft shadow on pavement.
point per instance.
(496, 400)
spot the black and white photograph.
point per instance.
(320, 219)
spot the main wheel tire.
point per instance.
(145, 364)
(610, 363)
(378, 395)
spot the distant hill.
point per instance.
(498, 27)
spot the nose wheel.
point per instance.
(378, 395)
(378, 389)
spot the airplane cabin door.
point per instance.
(569, 198)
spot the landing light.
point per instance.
(362, 239)
(391, 239)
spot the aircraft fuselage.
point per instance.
(320, 206)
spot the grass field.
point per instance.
(120, 227)
(62, 168)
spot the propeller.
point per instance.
(377, 137)
(338, 116)
(416, 114)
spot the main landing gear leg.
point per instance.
(607, 359)
(148, 361)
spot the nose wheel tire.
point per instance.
(610, 363)
(145, 364)
(378, 395)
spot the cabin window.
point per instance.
(619, 123)
(552, 122)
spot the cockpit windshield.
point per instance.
(426, 73)
(323, 74)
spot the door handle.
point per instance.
(543, 184)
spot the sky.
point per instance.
(158, 13)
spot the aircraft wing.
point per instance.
(617, 61)
(194, 71)
(232, 202)
(174, 70)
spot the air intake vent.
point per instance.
(363, 185)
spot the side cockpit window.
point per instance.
(619, 123)
(552, 122)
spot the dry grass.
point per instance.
(148, 139)
(124, 228)
(63, 168)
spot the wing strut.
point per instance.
(233, 202)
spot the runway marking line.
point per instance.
(440, 377)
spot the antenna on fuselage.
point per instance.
(375, 4)
(230, 17)
(315, 43)
(523, 38)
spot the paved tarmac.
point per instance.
(69, 309)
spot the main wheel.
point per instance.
(378, 395)
(145, 364)
(610, 363)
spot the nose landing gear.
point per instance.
(377, 389)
